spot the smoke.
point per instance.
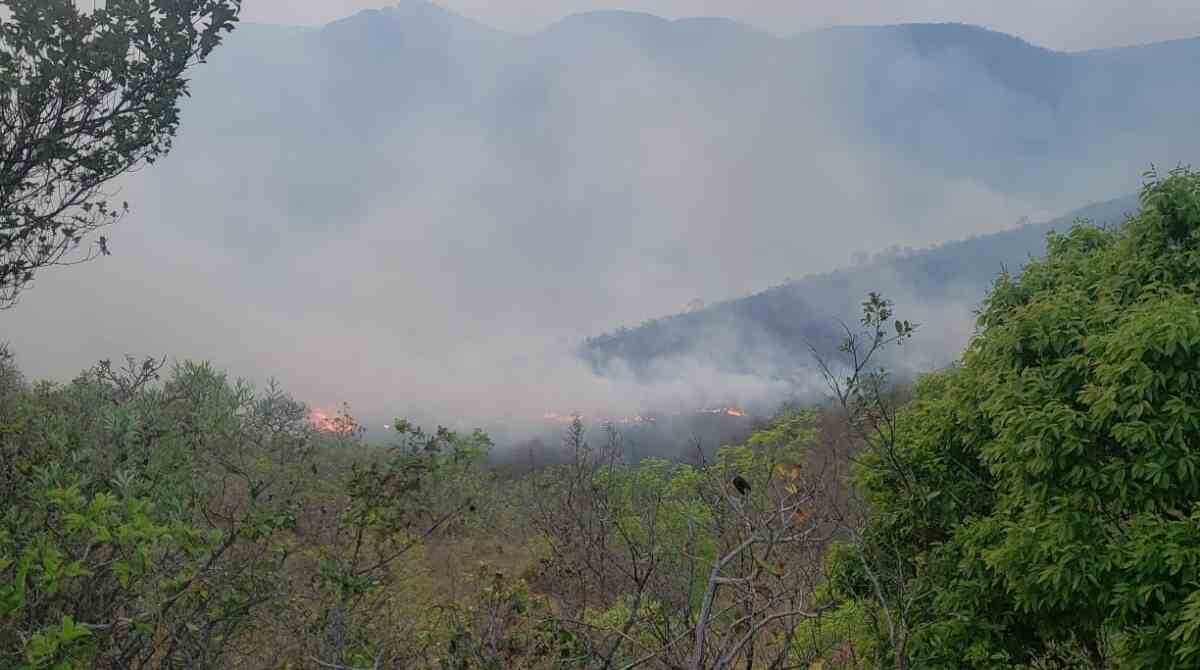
(430, 231)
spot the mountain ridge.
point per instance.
(598, 179)
(418, 7)
(789, 318)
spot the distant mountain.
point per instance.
(769, 333)
(954, 94)
(465, 195)
(562, 108)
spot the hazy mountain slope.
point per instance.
(406, 196)
(769, 333)
(326, 121)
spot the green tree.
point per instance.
(144, 525)
(1049, 509)
(86, 96)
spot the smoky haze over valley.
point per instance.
(418, 214)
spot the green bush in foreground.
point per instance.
(1045, 511)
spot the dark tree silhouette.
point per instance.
(86, 96)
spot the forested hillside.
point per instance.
(1034, 505)
(769, 333)
(980, 455)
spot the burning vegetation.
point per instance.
(338, 421)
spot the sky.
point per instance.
(1067, 25)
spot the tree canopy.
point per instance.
(86, 96)
(1044, 507)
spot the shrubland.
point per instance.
(190, 521)
(1035, 505)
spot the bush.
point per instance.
(1045, 510)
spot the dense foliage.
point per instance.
(86, 96)
(1034, 506)
(184, 524)
(196, 523)
(1038, 504)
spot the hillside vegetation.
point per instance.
(1031, 504)
(769, 333)
(1035, 505)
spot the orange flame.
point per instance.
(323, 422)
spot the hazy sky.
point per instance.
(1060, 24)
